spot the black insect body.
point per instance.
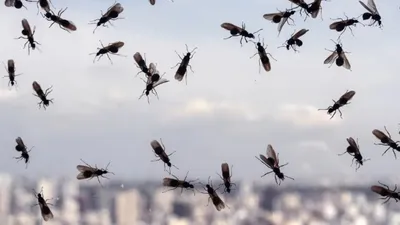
(141, 64)
(281, 18)
(89, 172)
(43, 4)
(226, 177)
(44, 208)
(212, 193)
(294, 40)
(153, 2)
(372, 13)
(21, 147)
(111, 14)
(29, 35)
(112, 48)
(182, 69)
(64, 24)
(338, 56)
(354, 150)
(264, 60)
(237, 31)
(385, 192)
(154, 74)
(342, 25)
(176, 183)
(386, 140)
(159, 151)
(42, 95)
(343, 100)
(14, 3)
(304, 7)
(10, 68)
(272, 162)
(150, 87)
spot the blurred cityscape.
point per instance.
(128, 203)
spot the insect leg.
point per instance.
(394, 153)
(289, 177)
(170, 189)
(334, 113)
(387, 132)
(271, 56)
(266, 174)
(386, 150)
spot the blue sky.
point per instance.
(228, 111)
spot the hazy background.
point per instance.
(228, 111)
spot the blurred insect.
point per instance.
(29, 36)
(44, 208)
(176, 183)
(44, 4)
(226, 177)
(237, 31)
(141, 63)
(64, 24)
(14, 3)
(21, 147)
(386, 140)
(342, 25)
(272, 162)
(343, 100)
(354, 150)
(111, 14)
(294, 40)
(89, 172)
(385, 192)
(338, 56)
(264, 60)
(159, 151)
(112, 48)
(154, 74)
(372, 13)
(212, 193)
(42, 95)
(281, 18)
(10, 68)
(150, 87)
(303, 7)
(182, 69)
(314, 8)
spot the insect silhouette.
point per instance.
(44, 208)
(64, 24)
(342, 25)
(314, 8)
(159, 151)
(281, 18)
(294, 40)
(386, 140)
(150, 87)
(14, 3)
(385, 192)
(154, 74)
(89, 172)
(21, 147)
(264, 59)
(10, 68)
(182, 69)
(111, 14)
(372, 13)
(112, 48)
(237, 31)
(338, 56)
(226, 177)
(212, 193)
(42, 95)
(343, 100)
(141, 63)
(354, 150)
(44, 4)
(272, 162)
(29, 35)
(304, 7)
(176, 183)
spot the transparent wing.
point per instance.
(346, 63)
(159, 82)
(83, 168)
(137, 57)
(270, 16)
(299, 33)
(152, 69)
(10, 63)
(379, 134)
(366, 7)
(283, 21)
(331, 58)
(26, 26)
(46, 212)
(117, 44)
(9, 3)
(353, 144)
(19, 141)
(333, 25)
(266, 162)
(229, 26)
(271, 154)
(372, 5)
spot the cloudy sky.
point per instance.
(228, 111)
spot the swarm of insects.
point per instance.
(239, 31)
(111, 14)
(42, 95)
(63, 23)
(10, 68)
(386, 140)
(354, 150)
(44, 208)
(112, 48)
(343, 100)
(159, 151)
(89, 172)
(176, 183)
(226, 178)
(21, 147)
(29, 35)
(338, 56)
(372, 13)
(294, 40)
(182, 69)
(385, 192)
(281, 18)
(272, 162)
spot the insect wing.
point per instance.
(20, 142)
(167, 182)
(271, 154)
(217, 201)
(225, 170)
(229, 26)
(71, 26)
(270, 16)
(159, 82)
(379, 134)
(333, 25)
(10, 64)
(331, 58)
(117, 44)
(152, 2)
(138, 58)
(156, 147)
(371, 4)
(379, 190)
(9, 3)
(299, 33)
(317, 5)
(347, 96)
(36, 87)
(26, 26)
(353, 144)
(152, 69)
(266, 161)
(266, 63)
(115, 8)
(346, 63)
(297, 2)
(366, 7)
(283, 21)
(46, 212)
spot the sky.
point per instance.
(227, 112)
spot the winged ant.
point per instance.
(343, 100)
